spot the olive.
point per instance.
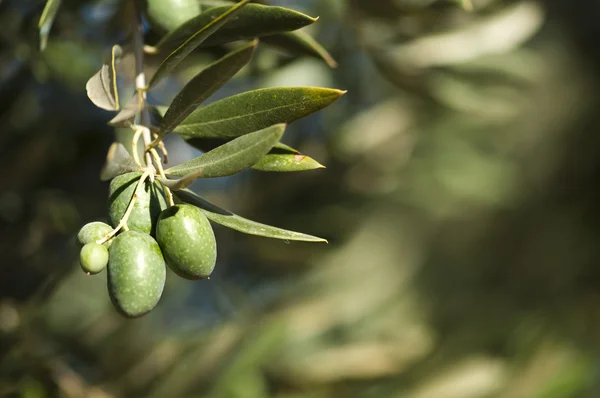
(136, 273)
(187, 241)
(93, 231)
(149, 203)
(93, 258)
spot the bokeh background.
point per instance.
(460, 201)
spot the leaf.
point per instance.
(197, 37)
(127, 115)
(46, 21)
(233, 221)
(102, 87)
(203, 85)
(253, 21)
(232, 157)
(285, 148)
(118, 161)
(280, 162)
(208, 144)
(302, 44)
(254, 110)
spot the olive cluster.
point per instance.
(156, 235)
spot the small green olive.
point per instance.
(93, 258)
(136, 273)
(93, 231)
(149, 203)
(187, 241)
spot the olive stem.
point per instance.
(161, 172)
(134, 143)
(123, 222)
(140, 79)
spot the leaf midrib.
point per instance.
(191, 125)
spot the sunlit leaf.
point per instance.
(254, 110)
(253, 21)
(233, 221)
(102, 87)
(230, 158)
(207, 144)
(46, 21)
(203, 85)
(194, 40)
(285, 148)
(280, 162)
(302, 44)
(118, 161)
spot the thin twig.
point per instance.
(140, 77)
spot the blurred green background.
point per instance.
(460, 201)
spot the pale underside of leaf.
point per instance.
(102, 87)
(118, 161)
(227, 159)
(253, 110)
(235, 222)
(194, 41)
(203, 85)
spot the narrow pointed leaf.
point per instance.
(208, 144)
(102, 87)
(118, 161)
(253, 21)
(285, 148)
(280, 162)
(254, 110)
(46, 21)
(203, 85)
(302, 44)
(194, 40)
(232, 157)
(233, 221)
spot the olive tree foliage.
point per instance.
(149, 197)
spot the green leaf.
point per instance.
(170, 14)
(253, 21)
(302, 44)
(254, 110)
(229, 158)
(288, 162)
(46, 21)
(203, 85)
(233, 221)
(102, 87)
(285, 148)
(118, 161)
(197, 37)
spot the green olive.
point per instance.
(187, 241)
(93, 258)
(136, 273)
(93, 231)
(149, 203)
